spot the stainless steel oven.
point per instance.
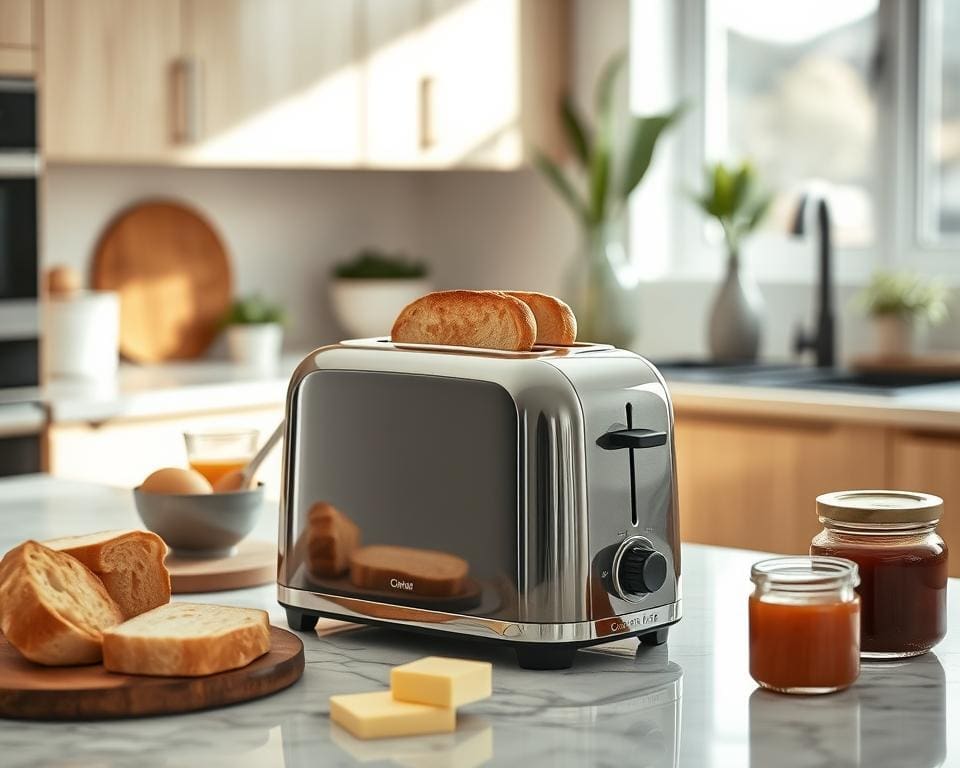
(19, 292)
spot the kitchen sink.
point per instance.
(785, 375)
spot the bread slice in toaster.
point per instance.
(485, 319)
(332, 538)
(408, 570)
(556, 323)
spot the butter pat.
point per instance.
(442, 682)
(378, 715)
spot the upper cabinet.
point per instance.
(108, 77)
(275, 83)
(301, 83)
(17, 38)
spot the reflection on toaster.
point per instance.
(336, 562)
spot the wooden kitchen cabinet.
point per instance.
(930, 462)
(17, 38)
(108, 79)
(279, 83)
(123, 452)
(752, 483)
(301, 83)
(463, 83)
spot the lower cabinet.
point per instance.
(930, 462)
(752, 483)
(123, 452)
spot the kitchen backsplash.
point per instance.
(476, 229)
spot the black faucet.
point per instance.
(823, 341)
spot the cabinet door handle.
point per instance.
(186, 100)
(427, 139)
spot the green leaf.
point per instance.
(759, 209)
(644, 135)
(600, 156)
(562, 184)
(743, 185)
(608, 78)
(722, 192)
(576, 132)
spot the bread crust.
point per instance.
(204, 653)
(129, 563)
(556, 323)
(484, 319)
(427, 571)
(30, 620)
(332, 538)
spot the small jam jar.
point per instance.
(805, 624)
(892, 536)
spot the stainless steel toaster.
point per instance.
(528, 498)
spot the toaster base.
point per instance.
(530, 655)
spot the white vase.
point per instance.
(734, 332)
(893, 335)
(367, 307)
(256, 345)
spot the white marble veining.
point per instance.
(689, 703)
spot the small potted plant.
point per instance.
(254, 328)
(369, 290)
(896, 302)
(736, 200)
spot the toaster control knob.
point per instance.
(641, 570)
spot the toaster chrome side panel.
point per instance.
(571, 507)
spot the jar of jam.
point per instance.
(805, 624)
(892, 536)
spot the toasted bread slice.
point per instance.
(53, 609)
(485, 319)
(331, 538)
(556, 323)
(404, 569)
(129, 563)
(187, 640)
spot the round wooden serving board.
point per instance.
(254, 564)
(171, 271)
(29, 691)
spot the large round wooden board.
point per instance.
(29, 691)
(173, 276)
(254, 564)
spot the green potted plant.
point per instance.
(733, 196)
(369, 290)
(896, 302)
(254, 328)
(596, 192)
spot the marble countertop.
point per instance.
(140, 391)
(688, 703)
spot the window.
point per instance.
(940, 123)
(792, 86)
(857, 99)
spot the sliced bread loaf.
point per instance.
(187, 640)
(52, 608)
(485, 319)
(129, 563)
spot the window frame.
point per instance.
(774, 257)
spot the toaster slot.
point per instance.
(632, 439)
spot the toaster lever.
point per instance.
(632, 438)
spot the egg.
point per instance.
(174, 480)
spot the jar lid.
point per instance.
(880, 507)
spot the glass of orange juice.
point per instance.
(215, 453)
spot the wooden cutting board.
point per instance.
(29, 691)
(172, 273)
(254, 564)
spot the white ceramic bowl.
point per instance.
(200, 524)
(366, 307)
